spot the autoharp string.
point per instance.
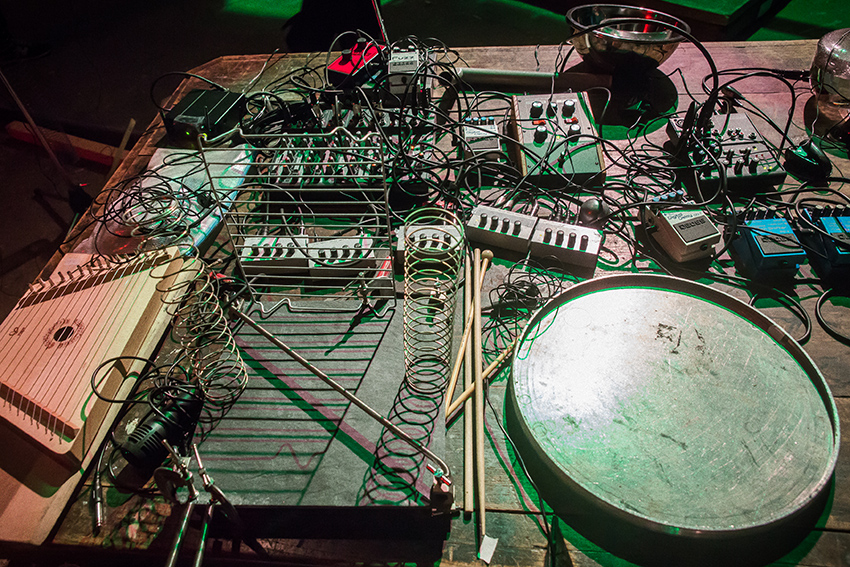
(104, 338)
(71, 305)
(128, 292)
(49, 390)
(59, 391)
(23, 322)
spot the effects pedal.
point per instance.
(406, 78)
(501, 228)
(340, 257)
(357, 65)
(739, 149)
(831, 247)
(435, 239)
(573, 245)
(766, 245)
(685, 234)
(556, 141)
(480, 135)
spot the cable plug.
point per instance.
(793, 74)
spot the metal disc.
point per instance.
(673, 405)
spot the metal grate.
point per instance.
(311, 217)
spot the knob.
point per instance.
(569, 108)
(575, 129)
(536, 109)
(552, 109)
(540, 134)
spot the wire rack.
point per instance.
(311, 216)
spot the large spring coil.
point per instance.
(204, 357)
(433, 258)
(207, 355)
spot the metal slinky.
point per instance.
(433, 258)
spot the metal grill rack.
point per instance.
(311, 217)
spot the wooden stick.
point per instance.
(468, 457)
(479, 395)
(450, 390)
(465, 395)
(118, 156)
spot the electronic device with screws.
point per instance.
(357, 65)
(825, 229)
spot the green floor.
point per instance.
(472, 21)
(804, 19)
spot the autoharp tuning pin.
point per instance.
(36, 286)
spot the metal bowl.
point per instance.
(831, 67)
(636, 46)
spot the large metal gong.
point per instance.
(673, 405)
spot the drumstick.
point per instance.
(487, 255)
(464, 396)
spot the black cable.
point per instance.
(182, 74)
(831, 331)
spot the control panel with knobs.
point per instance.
(556, 140)
(738, 148)
(569, 244)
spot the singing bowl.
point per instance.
(637, 45)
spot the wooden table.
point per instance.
(513, 514)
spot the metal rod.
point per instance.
(37, 131)
(118, 156)
(479, 395)
(468, 457)
(376, 5)
(205, 526)
(178, 539)
(345, 393)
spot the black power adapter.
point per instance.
(204, 112)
